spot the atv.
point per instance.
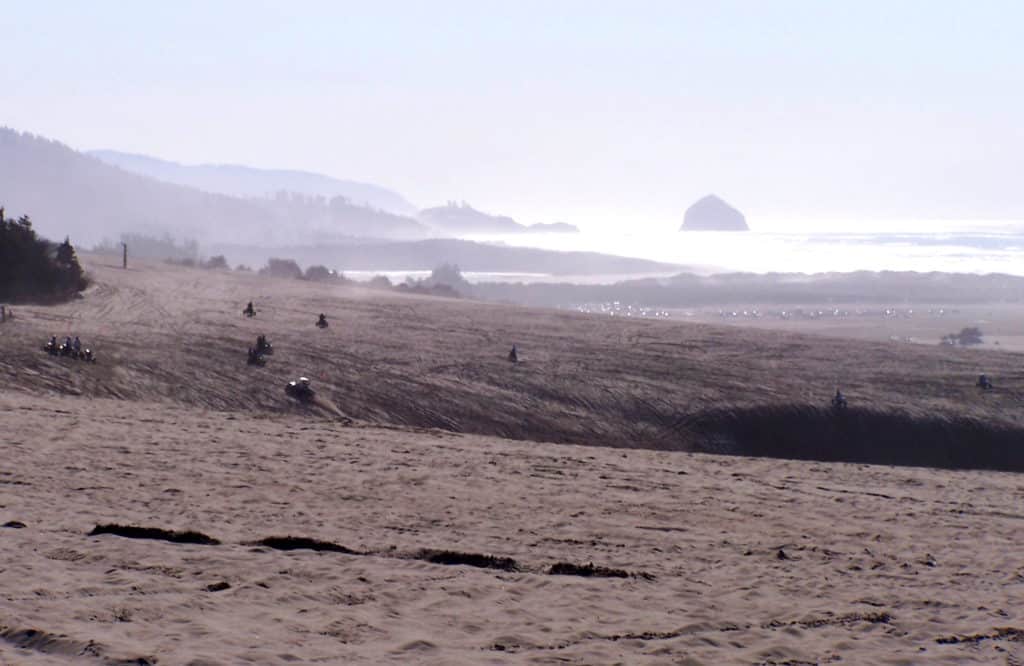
(263, 347)
(256, 358)
(300, 389)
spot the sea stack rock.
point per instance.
(713, 214)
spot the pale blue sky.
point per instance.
(587, 112)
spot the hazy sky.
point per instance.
(587, 112)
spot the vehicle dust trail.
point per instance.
(330, 408)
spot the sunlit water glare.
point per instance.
(766, 252)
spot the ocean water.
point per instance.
(397, 277)
(790, 252)
(970, 251)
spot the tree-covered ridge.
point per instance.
(93, 200)
(33, 269)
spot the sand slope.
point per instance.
(169, 334)
(877, 565)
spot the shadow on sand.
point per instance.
(859, 435)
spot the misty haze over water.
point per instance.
(800, 252)
(92, 201)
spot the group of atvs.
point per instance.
(299, 388)
(70, 348)
(250, 311)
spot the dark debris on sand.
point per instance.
(999, 634)
(591, 571)
(452, 557)
(134, 532)
(303, 543)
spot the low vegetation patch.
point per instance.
(134, 532)
(970, 335)
(452, 557)
(445, 280)
(281, 268)
(218, 262)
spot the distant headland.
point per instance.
(456, 217)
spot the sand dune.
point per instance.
(742, 560)
(448, 454)
(176, 335)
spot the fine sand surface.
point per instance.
(748, 561)
(424, 439)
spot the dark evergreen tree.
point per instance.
(33, 268)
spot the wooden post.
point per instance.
(124, 257)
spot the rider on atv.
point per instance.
(839, 400)
(299, 389)
(984, 382)
(51, 346)
(513, 355)
(255, 358)
(321, 322)
(77, 345)
(249, 310)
